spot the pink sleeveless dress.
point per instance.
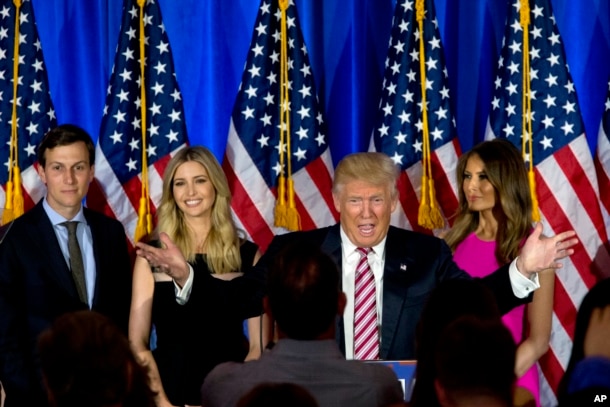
(477, 257)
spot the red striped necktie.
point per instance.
(366, 331)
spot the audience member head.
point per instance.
(87, 361)
(364, 190)
(303, 293)
(475, 363)
(65, 135)
(277, 394)
(450, 300)
(197, 165)
(496, 164)
(597, 297)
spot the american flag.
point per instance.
(400, 123)
(116, 189)
(251, 159)
(35, 113)
(602, 160)
(566, 184)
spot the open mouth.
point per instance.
(366, 230)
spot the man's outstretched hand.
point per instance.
(541, 252)
(168, 259)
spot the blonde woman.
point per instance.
(493, 221)
(185, 286)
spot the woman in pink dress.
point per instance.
(493, 220)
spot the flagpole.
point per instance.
(526, 106)
(14, 196)
(429, 215)
(144, 226)
(286, 213)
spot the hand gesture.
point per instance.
(541, 252)
(168, 259)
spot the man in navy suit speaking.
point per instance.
(401, 267)
(56, 258)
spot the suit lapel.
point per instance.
(395, 287)
(331, 245)
(97, 238)
(46, 238)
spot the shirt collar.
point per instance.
(57, 219)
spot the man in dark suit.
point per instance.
(406, 265)
(41, 275)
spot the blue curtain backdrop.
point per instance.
(347, 42)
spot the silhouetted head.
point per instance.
(303, 292)
(87, 361)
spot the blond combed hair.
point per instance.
(372, 167)
(223, 241)
(506, 171)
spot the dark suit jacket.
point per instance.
(36, 287)
(414, 265)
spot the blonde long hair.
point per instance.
(223, 241)
(506, 171)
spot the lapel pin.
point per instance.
(403, 267)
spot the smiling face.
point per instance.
(193, 190)
(365, 211)
(478, 190)
(67, 173)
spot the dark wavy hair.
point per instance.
(506, 171)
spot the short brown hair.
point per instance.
(303, 290)
(64, 135)
(476, 356)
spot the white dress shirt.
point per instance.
(350, 258)
(184, 293)
(85, 241)
(521, 285)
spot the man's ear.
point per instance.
(337, 202)
(41, 174)
(267, 307)
(394, 202)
